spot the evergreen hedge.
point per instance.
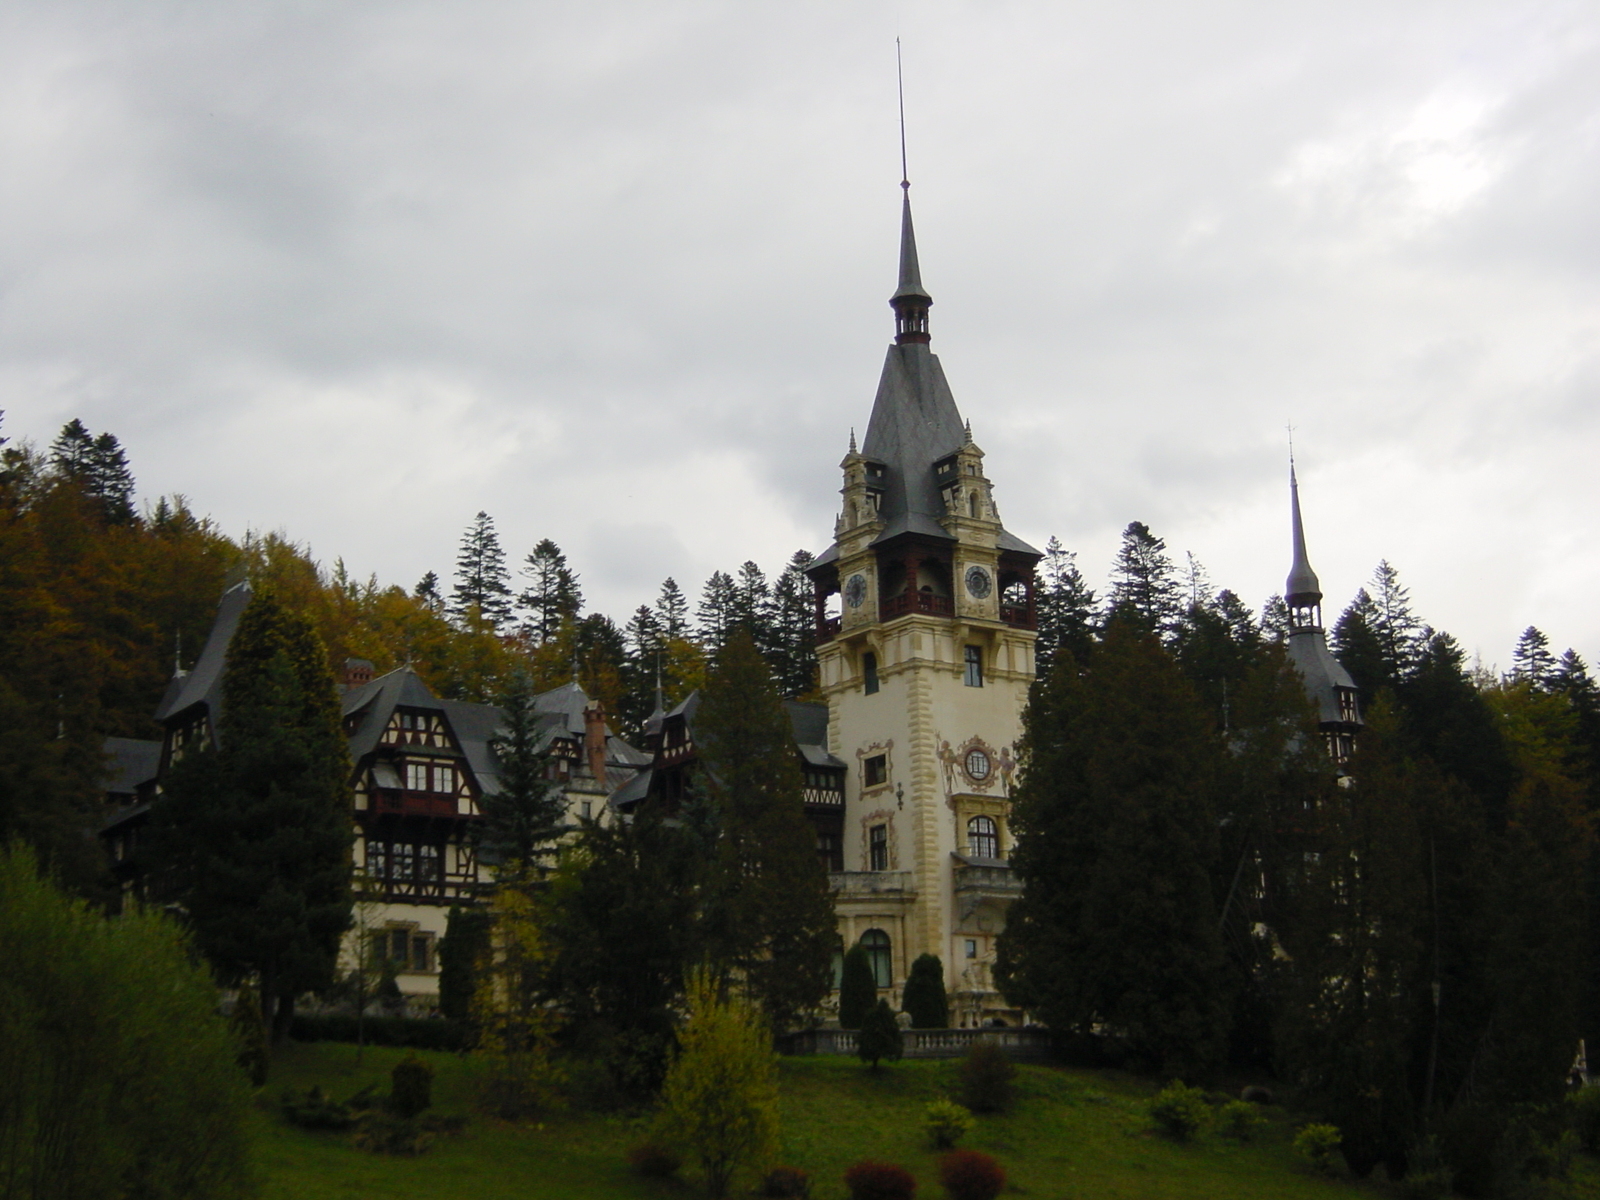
(425, 1033)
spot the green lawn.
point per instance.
(1073, 1135)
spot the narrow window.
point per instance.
(401, 858)
(876, 770)
(588, 809)
(878, 848)
(983, 838)
(972, 947)
(422, 952)
(869, 673)
(416, 777)
(974, 676)
(444, 780)
(876, 943)
(377, 860)
(429, 864)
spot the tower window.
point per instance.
(983, 838)
(878, 848)
(875, 770)
(869, 673)
(974, 659)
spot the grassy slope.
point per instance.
(1073, 1135)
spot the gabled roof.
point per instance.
(401, 687)
(810, 724)
(1322, 672)
(203, 684)
(132, 761)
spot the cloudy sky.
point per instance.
(617, 273)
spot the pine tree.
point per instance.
(672, 610)
(482, 595)
(1064, 605)
(252, 837)
(717, 614)
(110, 480)
(1117, 848)
(1531, 661)
(770, 915)
(427, 591)
(924, 998)
(523, 819)
(1401, 636)
(72, 453)
(793, 629)
(752, 605)
(552, 595)
(1275, 619)
(1144, 585)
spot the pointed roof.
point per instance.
(203, 685)
(1303, 588)
(910, 272)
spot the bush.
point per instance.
(1428, 1177)
(1583, 1110)
(410, 1086)
(412, 1033)
(858, 990)
(879, 1181)
(969, 1175)
(118, 1077)
(1238, 1119)
(924, 999)
(316, 1110)
(1318, 1144)
(655, 1161)
(946, 1123)
(880, 1036)
(385, 1133)
(1179, 1111)
(985, 1080)
(255, 1052)
(786, 1182)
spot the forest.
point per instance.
(1411, 941)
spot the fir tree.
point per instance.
(462, 950)
(1531, 661)
(1356, 644)
(523, 819)
(427, 591)
(252, 837)
(72, 453)
(1144, 585)
(672, 610)
(770, 915)
(924, 998)
(752, 605)
(1065, 607)
(482, 595)
(110, 480)
(1117, 847)
(793, 630)
(552, 595)
(717, 614)
(1275, 619)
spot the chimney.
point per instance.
(357, 671)
(594, 739)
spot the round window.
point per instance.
(978, 766)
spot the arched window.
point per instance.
(983, 838)
(876, 944)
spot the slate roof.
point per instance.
(203, 684)
(1303, 586)
(1322, 672)
(133, 761)
(810, 724)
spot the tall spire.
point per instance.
(910, 300)
(1303, 588)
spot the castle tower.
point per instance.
(1327, 682)
(925, 669)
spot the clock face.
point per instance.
(855, 590)
(978, 765)
(978, 582)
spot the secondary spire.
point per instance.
(1303, 591)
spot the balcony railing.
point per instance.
(1018, 616)
(925, 1043)
(910, 602)
(827, 629)
(423, 804)
(871, 883)
(993, 881)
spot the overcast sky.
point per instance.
(618, 273)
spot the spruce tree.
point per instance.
(552, 595)
(522, 820)
(793, 629)
(1532, 662)
(672, 610)
(482, 595)
(110, 480)
(1117, 850)
(752, 605)
(858, 990)
(72, 453)
(1144, 584)
(252, 837)
(924, 998)
(1064, 605)
(718, 612)
(770, 914)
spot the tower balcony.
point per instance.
(847, 884)
(915, 602)
(986, 881)
(1018, 616)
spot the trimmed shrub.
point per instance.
(1180, 1112)
(986, 1076)
(1583, 1110)
(924, 998)
(786, 1182)
(971, 1175)
(880, 1036)
(414, 1033)
(869, 1180)
(858, 990)
(410, 1086)
(1238, 1119)
(1318, 1145)
(655, 1161)
(946, 1123)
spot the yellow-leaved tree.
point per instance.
(515, 1028)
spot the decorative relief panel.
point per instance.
(976, 766)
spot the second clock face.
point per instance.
(855, 590)
(978, 582)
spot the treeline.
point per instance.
(1412, 944)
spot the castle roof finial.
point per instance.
(910, 300)
(852, 439)
(1303, 586)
